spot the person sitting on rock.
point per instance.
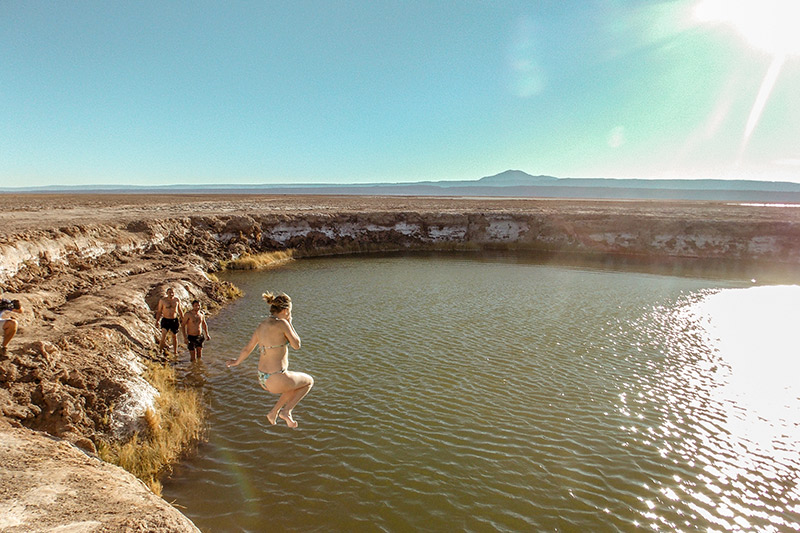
(195, 330)
(168, 316)
(8, 322)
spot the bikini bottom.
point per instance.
(263, 377)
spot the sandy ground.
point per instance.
(44, 211)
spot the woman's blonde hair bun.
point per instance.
(277, 302)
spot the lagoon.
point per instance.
(484, 393)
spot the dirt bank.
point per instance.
(49, 485)
(89, 271)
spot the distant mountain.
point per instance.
(519, 178)
(511, 183)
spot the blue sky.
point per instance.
(355, 92)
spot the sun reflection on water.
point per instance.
(746, 409)
(755, 332)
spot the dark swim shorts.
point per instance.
(195, 342)
(170, 324)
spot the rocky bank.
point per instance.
(89, 271)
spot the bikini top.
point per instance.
(276, 346)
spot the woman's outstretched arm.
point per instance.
(245, 351)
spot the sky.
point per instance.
(326, 92)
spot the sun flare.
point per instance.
(772, 26)
(767, 25)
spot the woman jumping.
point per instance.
(273, 336)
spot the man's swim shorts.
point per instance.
(195, 341)
(170, 324)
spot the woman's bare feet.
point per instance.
(272, 417)
(288, 418)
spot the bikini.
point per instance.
(264, 376)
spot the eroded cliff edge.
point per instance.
(89, 272)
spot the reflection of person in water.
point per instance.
(195, 330)
(273, 336)
(168, 317)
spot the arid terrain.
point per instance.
(89, 270)
(22, 212)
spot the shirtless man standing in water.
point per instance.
(195, 330)
(274, 336)
(168, 317)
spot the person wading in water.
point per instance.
(195, 330)
(169, 316)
